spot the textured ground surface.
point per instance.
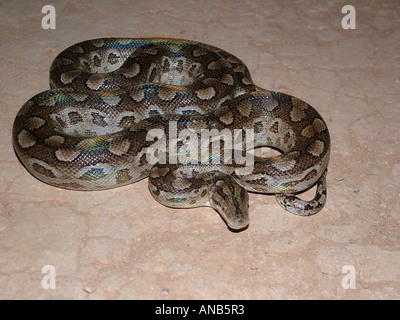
(122, 244)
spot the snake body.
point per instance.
(115, 101)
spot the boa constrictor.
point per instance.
(94, 129)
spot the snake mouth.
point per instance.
(238, 223)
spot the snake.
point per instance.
(184, 114)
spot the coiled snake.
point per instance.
(121, 110)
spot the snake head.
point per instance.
(231, 201)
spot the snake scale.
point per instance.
(120, 110)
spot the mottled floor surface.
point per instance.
(121, 243)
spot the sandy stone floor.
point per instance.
(122, 244)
